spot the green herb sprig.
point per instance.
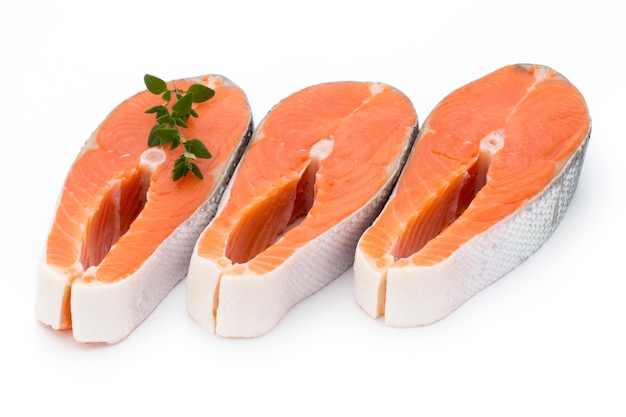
(168, 123)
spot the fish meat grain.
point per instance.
(491, 175)
(318, 169)
(123, 230)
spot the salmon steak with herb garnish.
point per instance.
(492, 173)
(123, 230)
(318, 170)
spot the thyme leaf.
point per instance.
(171, 119)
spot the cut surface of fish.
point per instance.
(318, 169)
(123, 230)
(492, 173)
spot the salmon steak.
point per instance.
(318, 170)
(493, 170)
(123, 231)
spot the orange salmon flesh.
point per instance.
(483, 153)
(318, 169)
(119, 202)
(336, 175)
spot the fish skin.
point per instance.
(234, 301)
(416, 295)
(107, 312)
(250, 306)
(425, 294)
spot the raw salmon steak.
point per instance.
(318, 169)
(492, 173)
(123, 231)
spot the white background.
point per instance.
(547, 339)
